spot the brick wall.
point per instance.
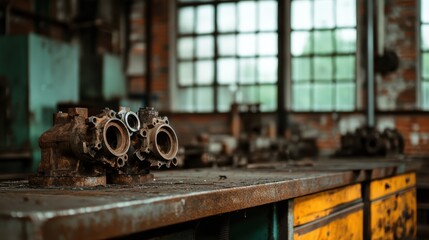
(396, 92)
(159, 49)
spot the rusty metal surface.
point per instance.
(368, 141)
(395, 217)
(367, 169)
(81, 150)
(171, 197)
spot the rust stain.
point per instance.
(319, 205)
(115, 147)
(394, 217)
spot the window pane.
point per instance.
(301, 69)
(204, 99)
(227, 70)
(267, 15)
(424, 11)
(322, 97)
(322, 68)
(247, 44)
(301, 43)
(186, 47)
(267, 44)
(323, 42)
(425, 95)
(225, 96)
(425, 65)
(324, 14)
(248, 94)
(425, 36)
(345, 67)
(226, 45)
(205, 19)
(268, 97)
(186, 99)
(205, 46)
(346, 13)
(345, 96)
(301, 97)
(204, 72)
(247, 70)
(345, 40)
(267, 70)
(186, 20)
(302, 16)
(186, 73)
(226, 17)
(247, 16)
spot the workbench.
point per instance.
(331, 199)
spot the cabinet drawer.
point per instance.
(319, 205)
(383, 187)
(337, 226)
(394, 217)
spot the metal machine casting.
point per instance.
(111, 147)
(368, 141)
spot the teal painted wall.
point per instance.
(14, 68)
(54, 77)
(41, 72)
(113, 77)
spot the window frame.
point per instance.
(421, 52)
(216, 86)
(332, 82)
(286, 80)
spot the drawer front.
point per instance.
(394, 217)
(383, 187)
(349, 226)
(319, 205)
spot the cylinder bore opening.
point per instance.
(133, 122)
(113, 137)
(164, 142)
(116, 138)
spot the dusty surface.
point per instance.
(172, 197)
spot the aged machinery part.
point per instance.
(394, 141)
(369, 141)
(130, 119)
(210, 151)
(79, 149)
(156, 142)
(136, 171)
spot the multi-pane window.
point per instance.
(226, 51)
(424, 48)
(323, 49)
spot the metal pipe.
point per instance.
(282, 70)
(148, 38)
(370, 63)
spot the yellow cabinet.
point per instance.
(393, 208)
(332, 214)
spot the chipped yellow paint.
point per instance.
(318, 205)
(383, 187)
(394, 217)
(349, 227)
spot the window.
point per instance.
(424, 48)
(323, 55)
(226, 51)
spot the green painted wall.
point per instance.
(41, 72)
(14, 69)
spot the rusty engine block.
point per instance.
(111, 147)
